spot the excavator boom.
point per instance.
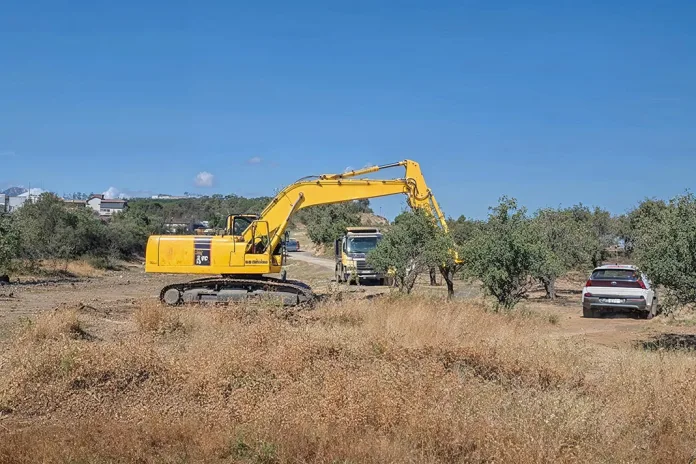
(244, 260)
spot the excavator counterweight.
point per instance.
(239, 261)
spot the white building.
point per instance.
(106, 207)
(15, 203)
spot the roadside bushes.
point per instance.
(48, 230)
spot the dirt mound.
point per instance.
(371, 219)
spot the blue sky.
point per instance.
(553, 102)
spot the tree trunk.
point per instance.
(448, 275)
(550, 287)
(410, 281)
(433, 276)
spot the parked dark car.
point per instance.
(292, 245)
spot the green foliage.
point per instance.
(563, 242)
(47, 229)
(503, 254)
(326, 223)
(215, 208)
(665, 242)
(9, 242)
(412, 246)
(130, 230)
(628, 224)
(603, 227)
(463, 229)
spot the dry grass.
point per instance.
(405, 380)
(80, 268)
(56, 325)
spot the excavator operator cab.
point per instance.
(238, 223)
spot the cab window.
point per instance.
(240, 224)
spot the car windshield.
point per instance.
(614, 274)
(361, 244)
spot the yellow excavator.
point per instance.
(238, 261)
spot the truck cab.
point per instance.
(350, 252)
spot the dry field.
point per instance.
(96, 371)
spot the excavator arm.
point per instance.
(336, 188)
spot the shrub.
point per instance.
(9, 243)
(503, 254)
(666, 249)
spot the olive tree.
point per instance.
(665, 248)
(411, 247)
(563, 242)
(628, 224)
(503, 254)
(603, 229)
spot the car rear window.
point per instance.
(615, 274)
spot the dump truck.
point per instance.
(350, 253)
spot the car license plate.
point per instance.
(611, 300)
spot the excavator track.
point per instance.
(228, 289)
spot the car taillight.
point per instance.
(642, 284)
(588, 294)
(588, 283)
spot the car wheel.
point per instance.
(586, 312)
(653, 309)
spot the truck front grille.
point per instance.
(362, 265)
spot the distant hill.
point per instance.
(14, 191)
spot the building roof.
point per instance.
(114, 201)
(101, 197)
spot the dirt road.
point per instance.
(316, 260)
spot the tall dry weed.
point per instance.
(58, 324)
(153, 317)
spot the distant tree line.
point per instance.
(213, 209)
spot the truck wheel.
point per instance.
(589, 313)
(339, 274)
